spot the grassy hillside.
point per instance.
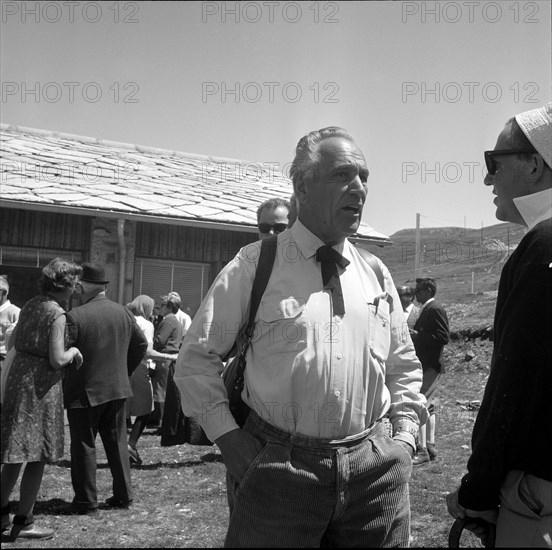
(453, 256)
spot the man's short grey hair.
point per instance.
(175, 298)
(306, 152)
(272, 204)
(171, 301)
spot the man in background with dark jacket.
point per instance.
(430, 335)
(112, 346)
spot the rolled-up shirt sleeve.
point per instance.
(403, 374)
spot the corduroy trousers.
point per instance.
(304, 492)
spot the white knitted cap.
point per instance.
(537, 126)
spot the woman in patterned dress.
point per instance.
(32, 425)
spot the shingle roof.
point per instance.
(46, 170)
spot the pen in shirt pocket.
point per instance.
(376, 302)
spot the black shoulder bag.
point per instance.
(372, 261)
(188, 430)
(234, 373)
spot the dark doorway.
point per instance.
(23, 283)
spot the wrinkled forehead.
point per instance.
(339, 149)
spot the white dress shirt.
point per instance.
(185, 321)
(308, 371)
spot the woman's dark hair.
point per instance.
(58, 275)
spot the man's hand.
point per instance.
(239, 449)
(406, 446)
(456, 510)
(479, 529)
(78, 359)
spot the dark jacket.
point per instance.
(512, 429)
(168, 335)
(433, 334)
(112, 346)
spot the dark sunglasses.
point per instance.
(266, 227)
(490, 161)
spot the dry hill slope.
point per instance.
(451, 255)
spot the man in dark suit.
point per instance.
(430, 335)
(112, 346)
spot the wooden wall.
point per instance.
(213, 246)
(33, 229)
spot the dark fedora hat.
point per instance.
(93, 273)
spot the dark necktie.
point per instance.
(330, 259)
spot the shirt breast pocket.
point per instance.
(380, 330)
(282, 322)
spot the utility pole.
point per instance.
(508, 242)
(417, 255)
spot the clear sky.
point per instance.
(424, 87)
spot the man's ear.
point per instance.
(533, 169)
(300, 190)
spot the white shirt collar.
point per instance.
(5, 305)
(535, 208)
(309, 243)
(424, 305)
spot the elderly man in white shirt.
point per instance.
(9, 315)
(313, 465)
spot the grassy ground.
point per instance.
(180, 494)
(180, 497)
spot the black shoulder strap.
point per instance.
(372, 261)
(262, 275)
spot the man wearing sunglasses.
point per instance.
(509, 479)
(272, 217)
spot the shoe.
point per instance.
(30, 532)
(432, 451)
(134, 456)
(6, 521)
(25, 528)
(113, 502)
(422, 456)
(72, 509)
